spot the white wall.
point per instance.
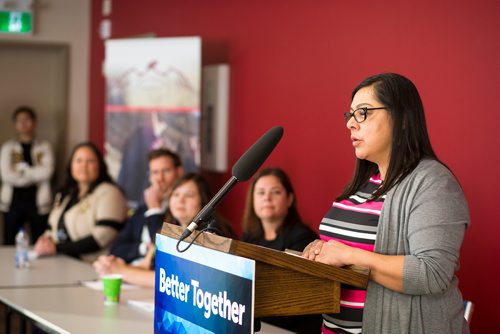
(67, 22)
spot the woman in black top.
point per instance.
(271, 220)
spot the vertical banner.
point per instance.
(202, 290)
(152, 101)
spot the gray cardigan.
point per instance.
(424, 218)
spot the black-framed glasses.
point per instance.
(359, 114)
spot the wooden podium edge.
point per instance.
(285, 284)
(351, 275)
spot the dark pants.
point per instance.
(18, 214)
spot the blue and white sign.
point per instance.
(202, 290)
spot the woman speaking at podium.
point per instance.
(403, 216)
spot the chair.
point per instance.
(468, 308)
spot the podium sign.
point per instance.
(202, 290)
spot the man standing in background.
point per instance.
(26, 165)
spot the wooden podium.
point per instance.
(285, 284)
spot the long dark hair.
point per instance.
(410, 139)
(252, 224)
(70, 185)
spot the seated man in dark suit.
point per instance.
(139, 232)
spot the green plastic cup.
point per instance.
(111, 286)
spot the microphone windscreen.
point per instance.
(255, 156)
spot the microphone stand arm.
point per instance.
(209, 208)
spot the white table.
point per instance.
(49, 294)
(81, 310)
(57, 270)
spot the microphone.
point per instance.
(242, 170)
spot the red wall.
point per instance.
(294, 63)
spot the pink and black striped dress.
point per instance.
(354, 222)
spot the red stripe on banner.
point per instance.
(121, 108)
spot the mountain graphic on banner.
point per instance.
(152, 87)
(172, 324)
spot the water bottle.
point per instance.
(22, 247)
